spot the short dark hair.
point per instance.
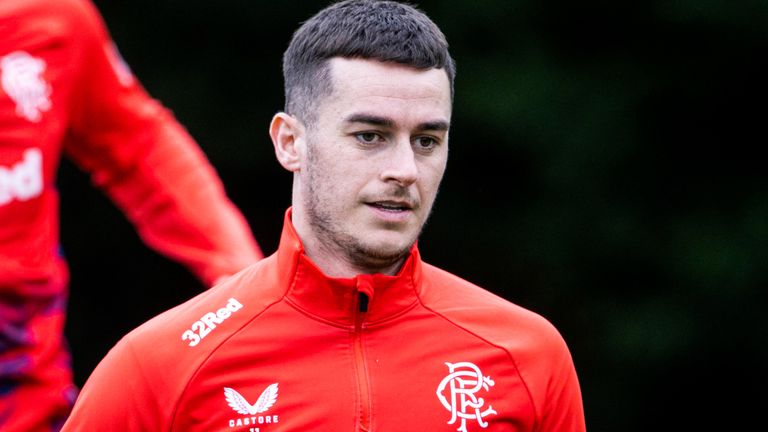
(387, 31)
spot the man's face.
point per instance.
(373, 162)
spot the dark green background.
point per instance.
(606, 171)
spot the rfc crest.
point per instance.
(458, 392)
(21, 76)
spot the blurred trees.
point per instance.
(605, 172)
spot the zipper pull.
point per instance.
(364, 291)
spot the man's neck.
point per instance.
(338, 264)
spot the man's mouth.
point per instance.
(391, 206)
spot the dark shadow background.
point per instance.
(606, 171)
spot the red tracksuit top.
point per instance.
(64, 90)
(281, 347)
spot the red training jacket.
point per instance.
(64, 89)
(281, 347)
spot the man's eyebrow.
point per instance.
(434, 126)
(370, 119)
(375, 120)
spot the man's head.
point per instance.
(386, 31)
(368, 164)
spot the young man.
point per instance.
(65, 91)
(345, 327)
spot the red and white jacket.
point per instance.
(65, 90)
(281, 347)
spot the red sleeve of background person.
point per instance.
(150, 166)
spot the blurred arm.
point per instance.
(147, 163)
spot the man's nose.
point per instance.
(401, 164)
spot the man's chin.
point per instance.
(381, 254)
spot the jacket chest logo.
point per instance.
(458, 392)
(22, 80)
(253, 413)
(22, 181)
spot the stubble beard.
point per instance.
(367, 257)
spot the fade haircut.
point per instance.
(386, 31)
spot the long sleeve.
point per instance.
(149, 165)
(563, 408)
(119, 395)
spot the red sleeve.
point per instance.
(562, 410)
(118, 396)
(148, 164)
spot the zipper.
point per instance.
(364, 422)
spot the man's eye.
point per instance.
(426, 143)
(368, 137)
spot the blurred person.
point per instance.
(345, 327)
(65, 91)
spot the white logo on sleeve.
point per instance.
(22, 79)
(121, 68)
(458, 394)
(240, 405)
(202, 327)
(23, 180)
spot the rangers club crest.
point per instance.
(458, 392)
(22, 80)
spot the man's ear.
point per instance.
(287, 134)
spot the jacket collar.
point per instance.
(337, 300)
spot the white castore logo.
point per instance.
(458, 394)
(22, 79)
(23, 180)
(240, 405)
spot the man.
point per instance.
(64, 90)
(345, 328)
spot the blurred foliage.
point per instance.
(605, 172)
